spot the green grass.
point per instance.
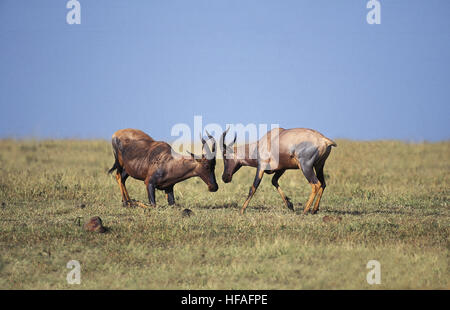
(393, 199)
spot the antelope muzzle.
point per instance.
(213, 187)
(226, 177)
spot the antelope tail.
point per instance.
(330, 142)
(114, 167)
(116, 145)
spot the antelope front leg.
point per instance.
(285, 198)
(151, 194)
(170, 197)
(256, 182)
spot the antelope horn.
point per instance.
(209, 155)
(201, 138)
(214, 141)
(222, 139)
(234, 140)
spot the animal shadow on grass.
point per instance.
(232, 205)
(342, 212)
(237, 206)
(261, 208)
(355, 212)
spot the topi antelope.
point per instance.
(281, 149)
(158, 165)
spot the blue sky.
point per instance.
(153, 64)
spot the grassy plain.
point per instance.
(392, 197)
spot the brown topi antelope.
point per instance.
(158, 165)
(281, 149)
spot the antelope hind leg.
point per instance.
(125, 200)
(318, 197)
(305, 163)
(315, 188)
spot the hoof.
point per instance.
(290, 206)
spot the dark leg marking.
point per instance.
(121, 187)
(307, 155)
(321, 177)
(151, 193)
(151, 185)
(170, 196)
(123, 178)
(258, 177)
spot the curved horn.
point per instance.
(208, 134)
(205, 147)
(234, 140)
(201, 138)
(222, 139)
(213, 149)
